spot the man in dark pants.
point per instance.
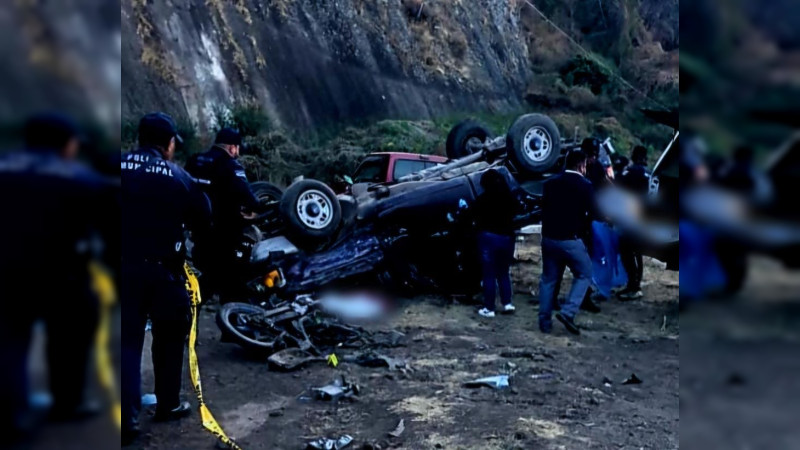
(160, 201)
(51, 207)
(568, 206)
(635, 178)
(232, 203)
(494, 218)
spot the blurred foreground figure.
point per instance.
(51, 207)
(635, 178)
(160, 202)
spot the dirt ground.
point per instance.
(447, 344)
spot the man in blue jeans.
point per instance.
(494, 218)
(568, 207)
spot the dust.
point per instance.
(428, 409)
(541, 428)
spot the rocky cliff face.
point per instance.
(308, 63)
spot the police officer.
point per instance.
(233, 203)
(160, 202)
(51, 207)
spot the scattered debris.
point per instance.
(633, 379)
(292, 359)
(149, 400)
(517, 354)
(338, 390)
(372, 359)
(607, 382)
(398, 429)
(495, 382)
(542, 376)
(329, 444)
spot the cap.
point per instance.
(49, 131)
(228, 136)
(591, 146)
(158, 127)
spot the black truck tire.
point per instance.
(229, 322)
(533, 144)
(266, 192)
(311, 211)
(461, 134)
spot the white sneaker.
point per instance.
(509, 308)
(485, 312)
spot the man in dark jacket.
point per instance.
(568, 206)
(232, 203)
(635, 178)
(52, 208)
(161, 201)
(495, 209)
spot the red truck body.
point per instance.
(387, 167)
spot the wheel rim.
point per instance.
(537, 144)
(240, 324)
(472, 143)
(314, 209)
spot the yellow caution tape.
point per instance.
(103, 286)
(333, 360)
(207, 419)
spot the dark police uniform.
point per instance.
(51, 218)
(160, 201)
(224, 181)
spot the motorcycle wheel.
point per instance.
(236, 320)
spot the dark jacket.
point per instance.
(223, 179)
(160, 201)
(52, 212)
(596, 174)
(568, 207)
(635, 178)
(495, 212)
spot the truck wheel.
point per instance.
(464, 133)
(311, 211)
(266, 192)
(533, 143)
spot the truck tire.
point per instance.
(461, 134)
(311, 211)
(533, 143)
(266, 192)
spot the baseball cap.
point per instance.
(228, 136)
(158, 127)
(49, 131)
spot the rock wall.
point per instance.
(309, 63)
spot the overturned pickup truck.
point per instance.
(411, 233)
